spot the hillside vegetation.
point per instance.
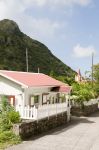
(13, 44)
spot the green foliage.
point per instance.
(13, 44)
(5, 104)
(8, 116)
(95, 83)
(96, 78)
(65, 79)
(8, 138)
(5, 123)
(83, 92)
(13, 116)
(96, 72)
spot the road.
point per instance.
(81, 134)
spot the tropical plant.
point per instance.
(83, 92)
(8, 116)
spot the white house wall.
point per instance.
(35, 91)
(8, 87)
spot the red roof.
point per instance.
(31, 79)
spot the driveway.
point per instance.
(81, 134)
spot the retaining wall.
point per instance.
(33, 128)
(85, 110)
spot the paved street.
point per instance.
(81, 134)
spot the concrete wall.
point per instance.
(33, 128)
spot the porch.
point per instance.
(37, 111)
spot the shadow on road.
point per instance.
(94, 114)
(74, 121)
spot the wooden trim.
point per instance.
(44, 94)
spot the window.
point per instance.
(44, 98)
(34, 99)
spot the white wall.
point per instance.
(35, 91)
(39, 91)
(8, 87)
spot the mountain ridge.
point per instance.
(13, 44)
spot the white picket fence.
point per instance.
(42, 111)
(27, 112)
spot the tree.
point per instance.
(83, 92)
(96, 72)
(96, 79)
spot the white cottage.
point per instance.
(34, 95)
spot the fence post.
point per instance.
(56, 107)
(68, 109)
(28, 111)
(36, 112)
(24, 112)
(48, 108)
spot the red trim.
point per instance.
(10, 98)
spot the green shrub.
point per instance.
(5, 123)
(8, 115)
(9, 136)
(5, 106)
(83, 92)
(14, 116)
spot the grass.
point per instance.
(8, 138)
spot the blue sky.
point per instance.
(69, 28)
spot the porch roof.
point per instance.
(63, 88)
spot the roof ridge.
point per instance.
(20, 72)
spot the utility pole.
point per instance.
(92, 68)
(27, 66)
(38, 70)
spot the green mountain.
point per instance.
(13, 44)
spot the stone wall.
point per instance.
(33, 128)
(85, 110)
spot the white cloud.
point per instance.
(83, 51)
(14, 6)
(38, 28)
(61, 2)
